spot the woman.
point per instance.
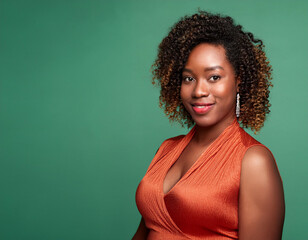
(216, 182)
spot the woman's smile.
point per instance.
(202, 108)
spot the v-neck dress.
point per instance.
(203, 204)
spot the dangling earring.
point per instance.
(238, 108)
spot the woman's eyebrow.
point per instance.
(206, 69)
(187, 70)
(213, 68)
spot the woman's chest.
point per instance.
(180, 167)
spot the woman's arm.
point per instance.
(142, 231)
(261, 198)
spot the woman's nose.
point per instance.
(201, 89)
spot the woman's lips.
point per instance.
(201, 108)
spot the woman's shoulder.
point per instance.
(247, 140)
(255, 152)
(175, 139)
(259, 163)
(165, 147)
(258, 155)
(169, 143)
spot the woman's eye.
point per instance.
(214, 77)
(187, 79)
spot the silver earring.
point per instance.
(238, 108)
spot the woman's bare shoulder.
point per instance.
(259, 169)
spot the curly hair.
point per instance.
(243, 50)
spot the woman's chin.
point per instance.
(211, 120)
(204, 121)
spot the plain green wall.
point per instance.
(79, 118)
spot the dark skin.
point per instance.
(209, 79)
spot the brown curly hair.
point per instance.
(243, 50)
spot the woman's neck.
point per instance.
(206, 135)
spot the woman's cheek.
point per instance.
(223, 91)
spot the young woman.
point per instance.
(216, 182)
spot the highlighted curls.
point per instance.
(244, 52)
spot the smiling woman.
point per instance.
(216, 182)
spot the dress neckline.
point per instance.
(177, 151)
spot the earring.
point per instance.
(238, 108)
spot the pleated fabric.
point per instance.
(203, 204)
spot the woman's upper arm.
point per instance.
(261, 197)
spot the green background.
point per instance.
(79, 118)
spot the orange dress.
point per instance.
(203, 204)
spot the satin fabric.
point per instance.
(203, 204)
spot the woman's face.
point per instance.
(209, 86)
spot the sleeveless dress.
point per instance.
(203, 204)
